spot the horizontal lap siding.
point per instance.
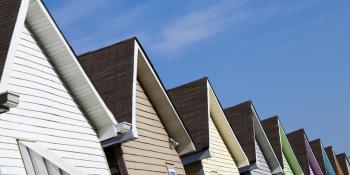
(262, 164)
(150, 152)
(221, 161)
(46, 113)
(287, 170)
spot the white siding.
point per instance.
(263, 167)
(46, 113)
(221, 161)
(287, 170)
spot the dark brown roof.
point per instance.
(335, 164)
(271, 128)
(344, 163)
(191, 102)
(8, 16)
(297, 142)
(316, 147)
(240, 118)
(111, 70)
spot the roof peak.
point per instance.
(134, 38)
(190, 83)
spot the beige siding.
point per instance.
(150, 153)
(286, 168)
(221, 161)
(47, 113)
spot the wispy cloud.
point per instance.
(120, 27)
(77, 9)
(198, 25)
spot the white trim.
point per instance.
(237, 155)
(13, 45)
(133, 97)
(45, 153)
(103, 120)
(184, 147)
(277, 167)
(171, 170)
(209, 117)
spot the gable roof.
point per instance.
(246, 124)
(302, 149)
(334, 161)
(196, 102)
(321, 157)
(15, 14)
(115, 70)
(344, 163)
(280, 144)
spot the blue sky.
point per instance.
(291, 58)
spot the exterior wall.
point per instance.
(47, 113)
(327, 163)
(221, 162)
(311, 171)
(261, 161)
(151, 152)
(286, 168)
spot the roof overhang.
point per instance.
(265, 145)
(156, 91)
(288, 152)
(225, 129)
(37, 17)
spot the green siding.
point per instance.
(289, 154)
(287, 169)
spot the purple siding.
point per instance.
(312, 160)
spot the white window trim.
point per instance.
(171, 170)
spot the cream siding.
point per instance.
(287, 170)
(47, 113)
(221, 161)
(263, 167)
(150, 153)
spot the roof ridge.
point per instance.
(108, 46)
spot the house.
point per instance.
(334, 161)
(217, 148)
(132, 90)
(302, 149)
(246, 125)
(281, 146)
(52, 119)
(322, 157)
(344, 163)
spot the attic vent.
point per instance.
(123, 127)
(8, 100)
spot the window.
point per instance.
(40, 161)
(172, 171)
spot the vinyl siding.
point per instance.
(221, 161)
(287, 169)
(150, 153)
(311, 171)
(263, 167)
(46, 113)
